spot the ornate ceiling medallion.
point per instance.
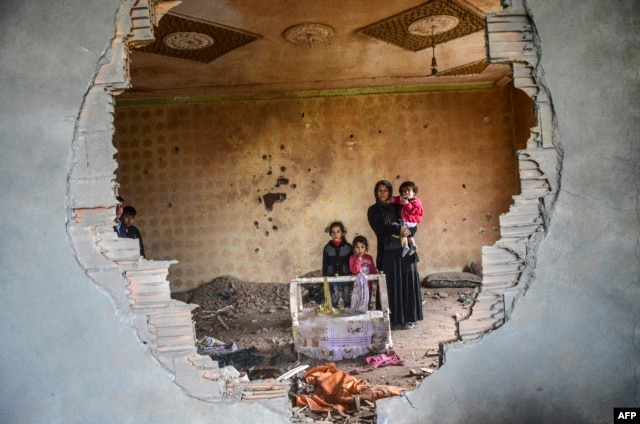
(187, 41)
(431, 25)
(308, 33)
(183, 38)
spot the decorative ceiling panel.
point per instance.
(474, 68)
(395, 29)
(193, 40)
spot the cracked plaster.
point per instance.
(542, 328)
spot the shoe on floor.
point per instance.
(410, 325)
(405, 250)
(413, 249)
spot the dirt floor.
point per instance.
(256, 317)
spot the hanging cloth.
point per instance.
(359, 295)
(327, 308)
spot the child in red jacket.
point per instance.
(361, 264)
(411, 214)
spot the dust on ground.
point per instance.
(257, 318)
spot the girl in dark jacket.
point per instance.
(335, 262)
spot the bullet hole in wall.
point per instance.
(282, 147)
(397, 177)
(293, 185)
(282, 181)
(255, 224)
(283, 168)
(257, 249)
(302, 115)
(169, 205)
(271, 198)
(274, 228)
(351, 136)
(269, 172)
(464, 186)
(176, 150)
(264, 157)
(266, 233)
(270, 219)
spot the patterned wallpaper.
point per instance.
(246, 188)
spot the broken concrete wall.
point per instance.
(569, 352)
(566, 355)
(69, 354)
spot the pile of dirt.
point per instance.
(256, 317)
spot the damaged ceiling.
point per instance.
(269, 47)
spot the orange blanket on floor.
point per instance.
(335, 389)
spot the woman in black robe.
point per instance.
(403, 279)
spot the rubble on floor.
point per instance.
(256, 318)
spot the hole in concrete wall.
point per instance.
(505, 274)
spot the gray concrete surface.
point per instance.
(570, 353)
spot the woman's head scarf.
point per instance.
(384, 183)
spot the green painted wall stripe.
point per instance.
(303, 94)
